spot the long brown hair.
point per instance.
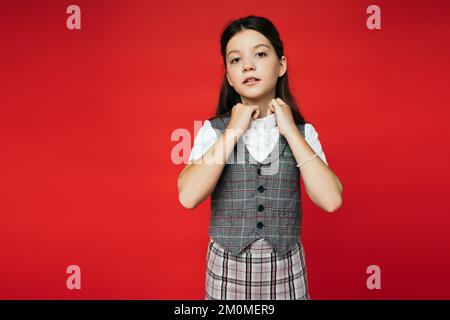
(228, 96)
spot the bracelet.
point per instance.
(307, 160)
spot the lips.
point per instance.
(251, 80)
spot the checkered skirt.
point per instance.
(257, 273)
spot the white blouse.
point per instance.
(259, 139)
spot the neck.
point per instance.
(262, 102)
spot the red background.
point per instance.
(86, 122)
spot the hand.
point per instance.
(283, 114)
(241, 116)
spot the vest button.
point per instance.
(260, 207)
(260, 225)
(260, 188)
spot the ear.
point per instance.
(283, 66)
(228, 78)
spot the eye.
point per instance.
(259, 54)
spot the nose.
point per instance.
(248, 65)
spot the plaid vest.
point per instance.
(254, 199)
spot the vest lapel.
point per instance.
(273, 155)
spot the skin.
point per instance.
(199, 177)
(261, 62)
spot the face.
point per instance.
(250, 54)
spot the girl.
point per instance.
(255, 251)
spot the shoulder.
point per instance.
(206, 130)
(311, 134)
(310, 131)
(204, 138)
(312, 137)
(219, 122)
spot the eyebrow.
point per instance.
(258, 45)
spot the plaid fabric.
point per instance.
(257, 199)
(258, 273)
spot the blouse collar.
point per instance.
(267, 122)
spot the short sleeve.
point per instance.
(312, 137)
(204, 139)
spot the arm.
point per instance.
(199, 177)
(322, 185)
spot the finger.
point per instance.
(270, 109)
(275, 103)
(281, 102)
(256, 113)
